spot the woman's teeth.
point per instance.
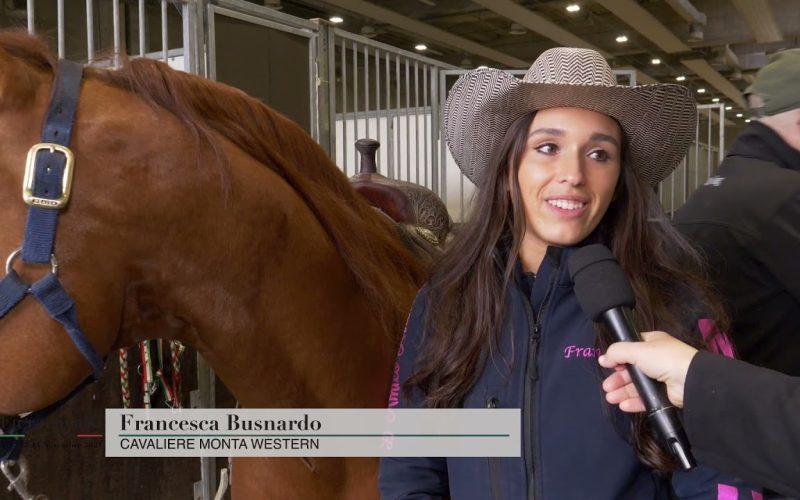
(567, 204)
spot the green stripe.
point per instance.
(12, 436)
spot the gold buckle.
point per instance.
(29, 179)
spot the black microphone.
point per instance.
(605, 294)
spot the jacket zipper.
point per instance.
(531, 385)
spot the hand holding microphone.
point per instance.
(605, 294)
(660, 357)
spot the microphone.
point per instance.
(605, 294)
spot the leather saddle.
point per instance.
(416, 208)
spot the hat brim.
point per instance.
(658, 121)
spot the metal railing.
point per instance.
(704, 155)
(390, 95)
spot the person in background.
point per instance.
(739, 418)
(746, 220)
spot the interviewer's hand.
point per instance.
(660, 357)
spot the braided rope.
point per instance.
(124, 378)
(176, 351)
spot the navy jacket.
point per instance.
(574, 445)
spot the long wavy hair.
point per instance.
(467, 290)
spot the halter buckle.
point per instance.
(16, 253)
(30, 177)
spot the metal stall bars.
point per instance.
(453, 187)
(387, 94)
(704, 155)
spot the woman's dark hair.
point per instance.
(467, 291)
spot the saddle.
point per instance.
(418, 212)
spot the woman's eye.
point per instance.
(599, 155)
(547, 148)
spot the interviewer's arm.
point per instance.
(745, 420)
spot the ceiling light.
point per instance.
(420, 47)
(573, 7)
(739, 115)
(336, 19)
(728, 108)
(655, 60)
(622, 39)
(680, 78)
(716, 99)
(701, 90)
(747, 121)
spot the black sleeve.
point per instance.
(744, 420)
(778, 246)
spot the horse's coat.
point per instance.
(201, 215)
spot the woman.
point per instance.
(561, 157)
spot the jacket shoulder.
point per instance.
(744, 193)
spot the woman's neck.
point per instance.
(531, 253)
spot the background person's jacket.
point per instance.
(746, 220)
(743, 419)
(574, 445)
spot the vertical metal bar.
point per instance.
(434, 129)
(31, 16)
(685, 179)
(425, 69)
(443, 146)
(416, 121)
(697, 150)
(672, 194)
(389, 123)
(189, 34)
(345, 144)
(461, 196)
(90, 31)
(721, 133)
(164, 33)
(117, 43)
(710, 111)
(408, 121)
(331, 76)
(61, 37)
(355, 103)
(366, 91)
(142, 40)
(378, 105)
(398, 166)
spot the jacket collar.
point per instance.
(761, 142)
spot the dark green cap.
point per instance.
(777, 85)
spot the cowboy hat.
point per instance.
(658, 121)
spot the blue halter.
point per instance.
(46, 189)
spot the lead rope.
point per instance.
(176, 352)
(124, 378)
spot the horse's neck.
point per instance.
(262, 293)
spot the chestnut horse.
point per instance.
(199, 214)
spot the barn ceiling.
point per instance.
(716, 44)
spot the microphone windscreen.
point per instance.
(600, 283)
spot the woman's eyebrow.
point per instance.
(597, 136)
(547, 131)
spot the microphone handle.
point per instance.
(663, 416)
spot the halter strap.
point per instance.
(46, 188)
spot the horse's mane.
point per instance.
(377, 259)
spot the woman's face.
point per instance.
(567, 175)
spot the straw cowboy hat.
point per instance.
(658, 121)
